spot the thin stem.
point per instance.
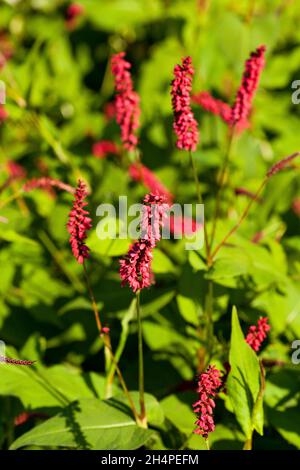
(107, 345)
(221, 186)
(207, 444)
(243, 216)
(141, 361)
(200, 200)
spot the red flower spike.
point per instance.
(155, 208)
(219, 108)
(185, 125)
(135, 268)
(257, 334)
(104, 147)
(208, 385)
(213, 105)
(126, 101)
(79, 223)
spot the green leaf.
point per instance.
(180, 413)
(108, 246)
(286, 423)
(55, 386)
(244, 381)
(161, 263)
(88, 424)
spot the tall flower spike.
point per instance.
(257, 334)
(79, 223)
(243, 102)
(154, 213)
(126, 101)
(135, 267)
(219, 108)
(208, 385)
(185, 125)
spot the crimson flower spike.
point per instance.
(243, 102)
(135, 267)
(79, 223)
(185, 124)
(16, 362)
(279, 166)
(213, 105)
(208, 386)
(126, 102)
(219, 108)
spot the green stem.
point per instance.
(221, 186)
(143, 415)
(200, 200)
